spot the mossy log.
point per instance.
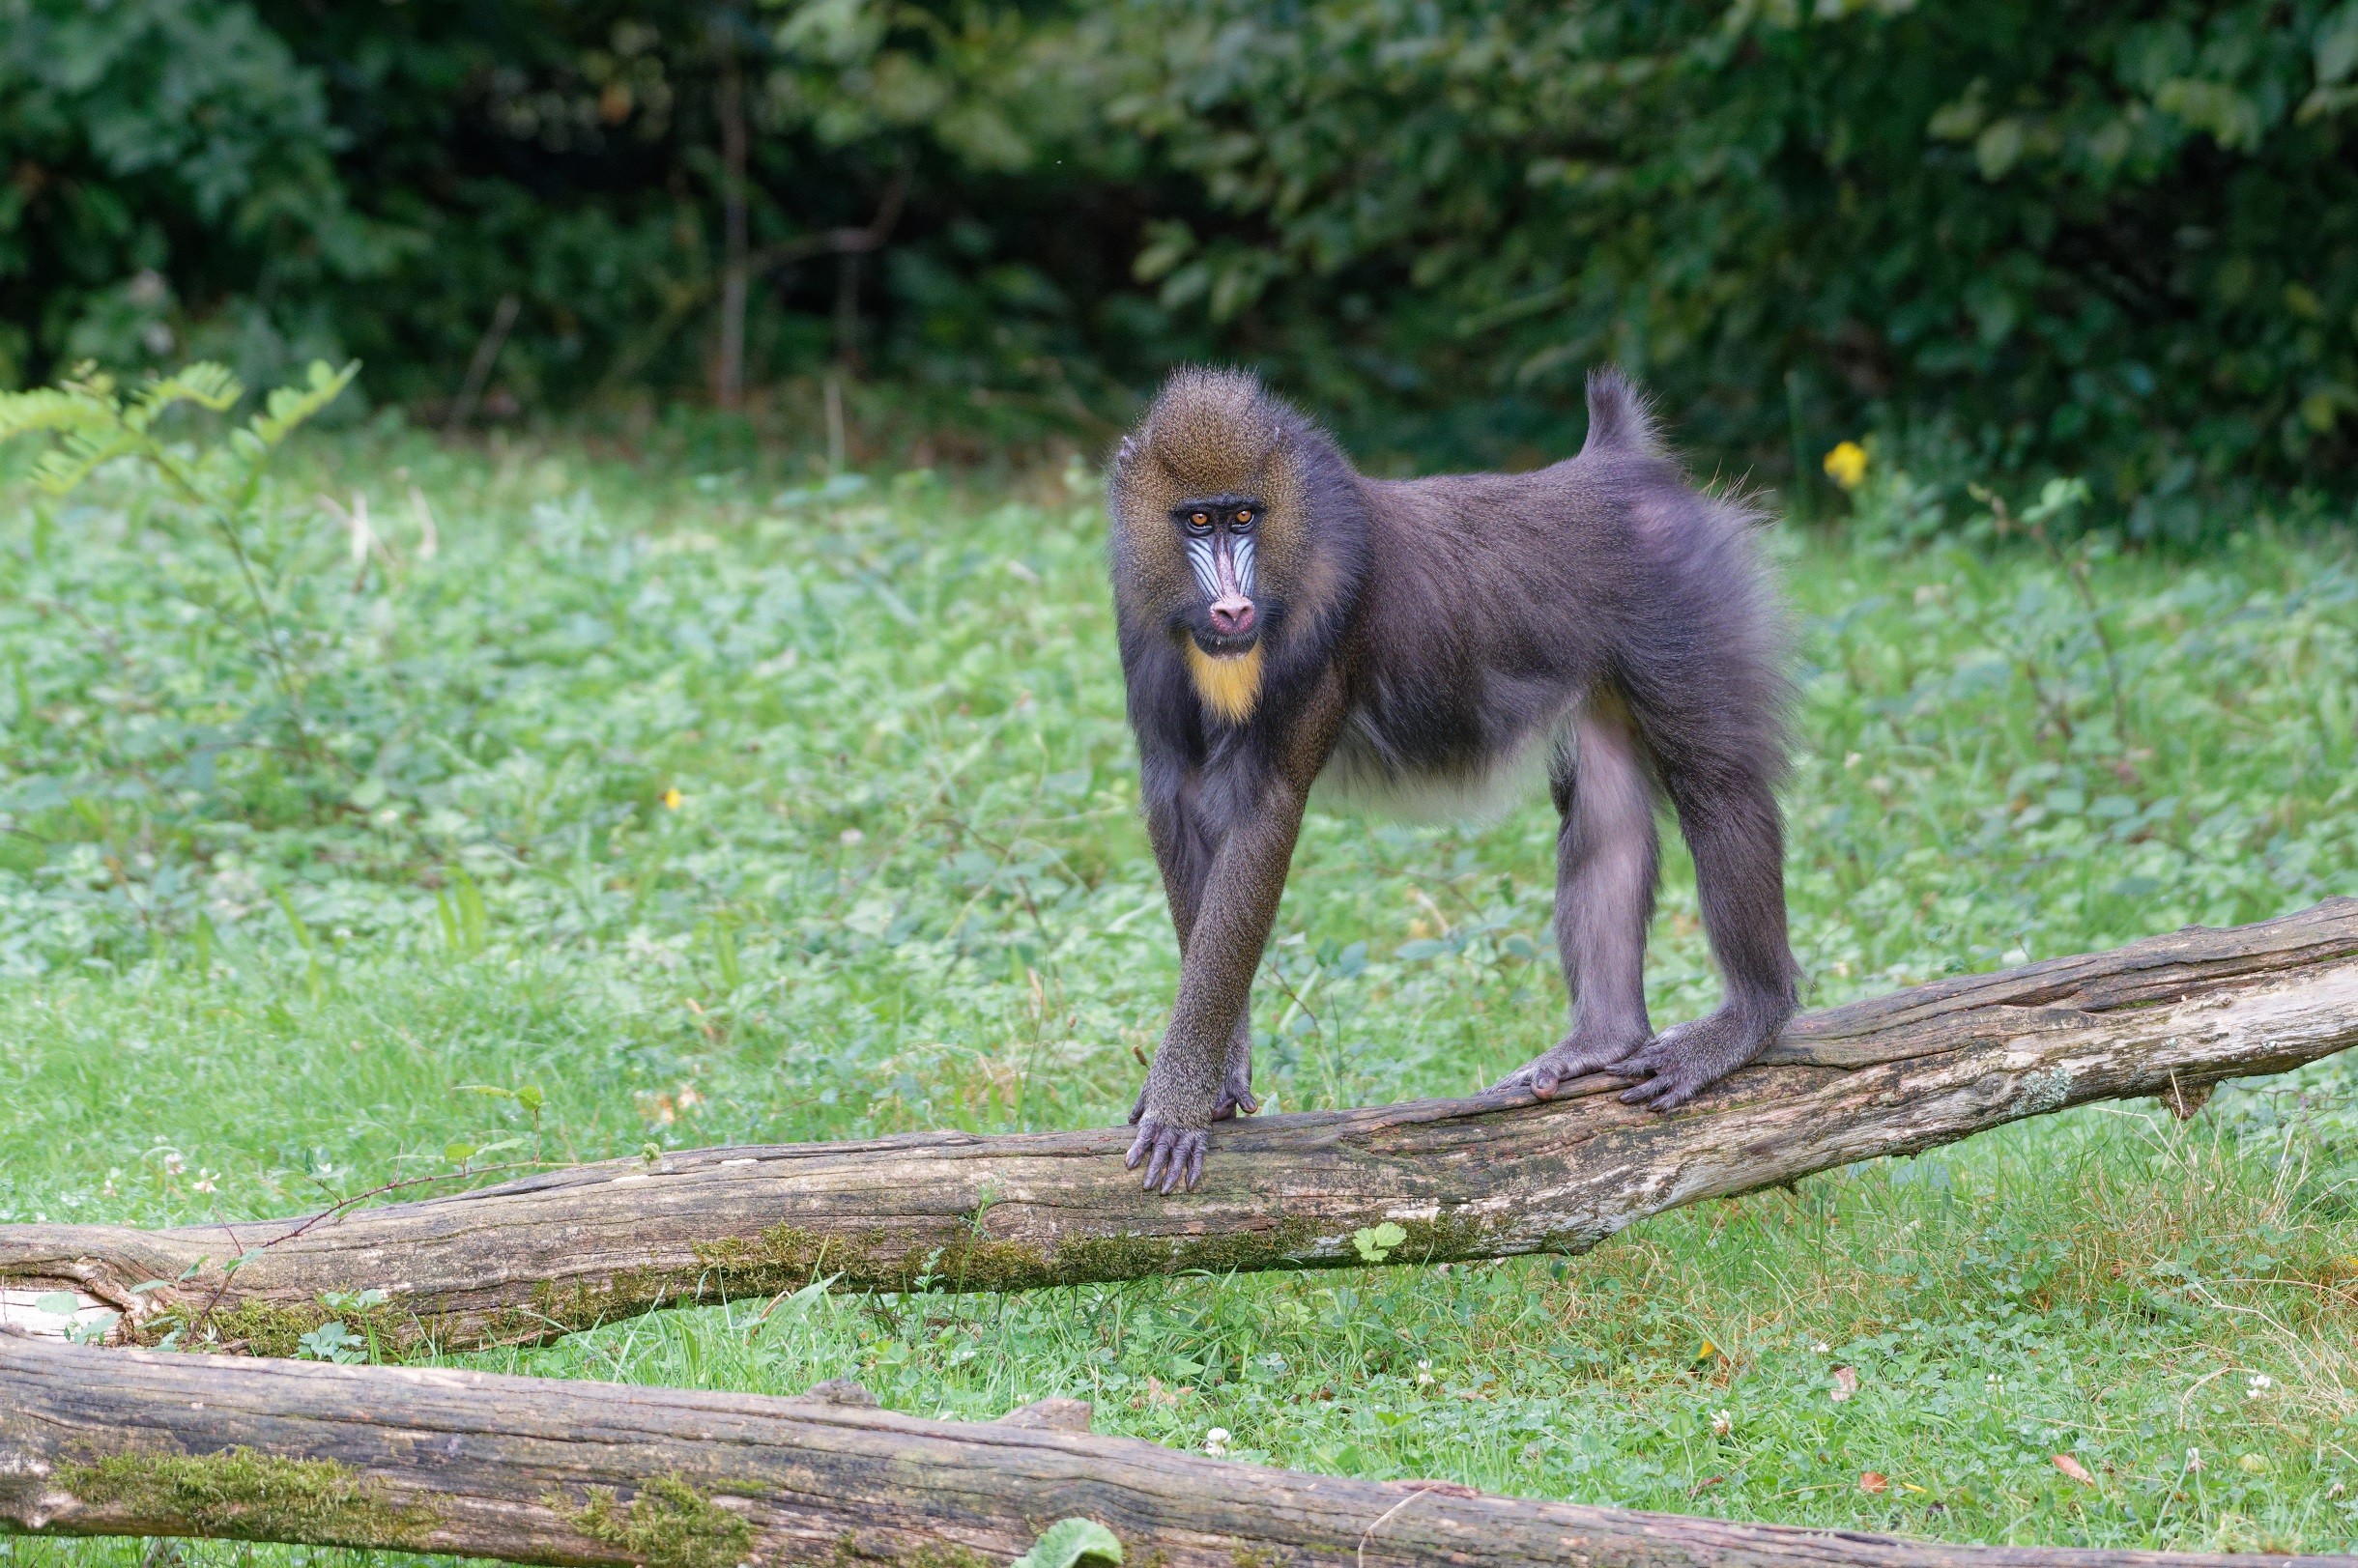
(540, 1470)
(1481, 1178)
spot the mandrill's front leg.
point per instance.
(1223, 899)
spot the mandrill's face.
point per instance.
(1207, 512)
(1215, 533)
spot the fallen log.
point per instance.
(541, 1471)
(1426, 1182)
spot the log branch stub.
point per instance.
(1492, 1175)
(600, 1475)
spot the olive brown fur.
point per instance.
(1287, 622)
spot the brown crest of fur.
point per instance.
(1209, 432)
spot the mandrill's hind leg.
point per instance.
(1730, 817)
(1607, 856)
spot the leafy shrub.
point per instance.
(163, 155)
(2123, 239)
(2099, 239)
(197, 627)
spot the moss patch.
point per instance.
(1128, 1256)
(668, 1525)
(275, 1329)
(1445, 1238)
(248, 1495)
(786, 1256)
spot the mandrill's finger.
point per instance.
(1186, 1162)
(1660, 1094)
(1158, 1161)
(1138, 1147)
(1653, 1059)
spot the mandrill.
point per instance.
(1285, 620)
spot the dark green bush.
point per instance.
(2124, 237)
(2115, 238)
(165, 165)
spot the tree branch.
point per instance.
(845, 241)
(1481, 1178)
(599, 1475)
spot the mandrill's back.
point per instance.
(1495, 604)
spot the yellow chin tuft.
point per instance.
(1231, 687)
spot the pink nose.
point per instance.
(1232, 614)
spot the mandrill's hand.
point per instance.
(1173, 1154)
(1172, 1145)
(1182, 1149)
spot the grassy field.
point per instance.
(698, 803)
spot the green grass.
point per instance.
(902, 884)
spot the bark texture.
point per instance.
(122, 1442)
(1479, 1177)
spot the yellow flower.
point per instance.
(670, 799)
(1847, 463)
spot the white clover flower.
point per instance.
(2257, 1384)
(1722, 1423)
(1216, 1442)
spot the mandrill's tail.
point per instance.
(1618, 419)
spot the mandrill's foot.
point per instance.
(1173, 1156)
(1574, 1058)
(1687, 1059)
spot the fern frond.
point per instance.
(51, 410)
(69, 463)
(288, 406)
(205, 384)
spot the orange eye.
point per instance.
(1244, 517)
(1201, 519)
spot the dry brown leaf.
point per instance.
(1873, 1481)
(2074, 1468)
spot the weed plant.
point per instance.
(649, 804)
